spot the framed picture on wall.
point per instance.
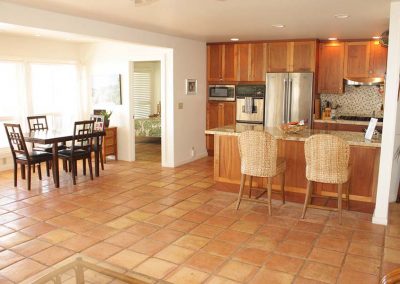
(106, 89)
(191, 86)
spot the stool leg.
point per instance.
(348, 196)
(283, 187)
(306, 201)
(269, 195)
(242, 181)
(250, 184)
(340, 189)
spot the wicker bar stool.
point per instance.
(259, 158)
(327, 161)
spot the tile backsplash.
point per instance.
(356, 101)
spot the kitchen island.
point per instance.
(364, 160)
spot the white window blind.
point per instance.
(54, 89)
(142, 92)
(10, 104)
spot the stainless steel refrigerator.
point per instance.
(288, 98)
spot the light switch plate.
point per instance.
(180, 105)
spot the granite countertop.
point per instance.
(353, 138)
(342, 121)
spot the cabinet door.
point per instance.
(243, 62)
(330, 74)
(303, 56)
(378, 60)
(214, 62)
(278, 56)
(212, 115)
(229, 113)
(356, 62)
(229, 62)
(258, 61)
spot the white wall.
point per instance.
(187, 59)
(389, 170)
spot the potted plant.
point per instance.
(107, 115)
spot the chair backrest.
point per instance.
(327, 159)
(82, 135)
(98, 122)
(258, 153)
(16, 140)
(37, 122)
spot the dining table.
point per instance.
(54, 137)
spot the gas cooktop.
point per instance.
(359, 118)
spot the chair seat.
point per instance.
(47, 147)
(68, 152)
(36, 156)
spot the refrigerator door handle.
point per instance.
(290, 100)
(284, 101)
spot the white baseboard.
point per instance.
(192, 159)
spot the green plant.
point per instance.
(106, 114)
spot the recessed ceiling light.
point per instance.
(279, 26)
(341, 16)
(37, 35)
(332, 38)
(234, 39)
(376, 37)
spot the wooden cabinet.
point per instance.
(110, 143)
(365, 59)
(278, 56)
(292, 56)
(251, 61)
(356, 59)
(221, 62)
(377, 59)
(219, 114)
(303, 57)
(330, 71)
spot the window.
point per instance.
(142, 92)
(10, 105)
(54, 92)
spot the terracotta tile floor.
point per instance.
(176, 225)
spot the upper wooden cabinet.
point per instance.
(365, 59)
(221, 65)
(330, 73)
(377, 59)
(278, 56)
(292, 56)
(356, 59)
(252, 61)
(304, 56)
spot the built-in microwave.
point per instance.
(221, 93)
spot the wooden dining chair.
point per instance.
(81, 147)
(99, 126)
(22, 156)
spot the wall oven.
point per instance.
(250, 103)
(221, 93)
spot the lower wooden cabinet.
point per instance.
(110, 143)
(218, 114)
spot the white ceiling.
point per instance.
(220, 20)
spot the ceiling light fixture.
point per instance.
(341, 16)
(279, 26)
(332, 38)
(376, 37)
(37, 35)
(143, 2)
(234, 39)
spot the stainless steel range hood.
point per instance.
(364, 81)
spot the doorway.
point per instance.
(146, 101)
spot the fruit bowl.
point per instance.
(292, 128)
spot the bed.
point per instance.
(148, 127)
